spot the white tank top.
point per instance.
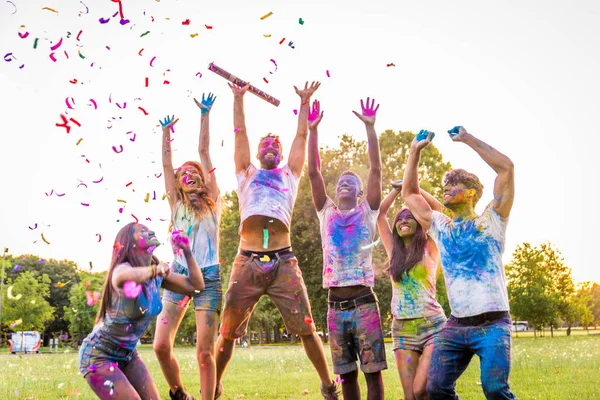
(268, 192)
(203, 234)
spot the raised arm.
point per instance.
(298, 149)
(411, 193)
(241, 153)
(317, 184)
(385, 232)
(204, 145)
(374, 177)
(167, 160)
(180, 283)
(504, 186)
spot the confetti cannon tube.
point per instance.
(234, 79)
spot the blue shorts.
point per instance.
(95, 352)
(209, 299)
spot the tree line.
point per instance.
(61, 300)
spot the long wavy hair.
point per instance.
(205, 204)
(404, 259)
(123, 251)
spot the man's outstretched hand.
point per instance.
(368, 112)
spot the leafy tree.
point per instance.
(79, 315)
(527, 284)
(594, 303)
(540, 285)
(561, 288)
(28, 302)
(62, 275)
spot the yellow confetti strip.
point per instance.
(193, 35)
(79, 141)
(44, 239)
(50, 9)
(147, 197)
(267, 35)
(10, 295)
(266, 15)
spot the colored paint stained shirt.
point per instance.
(471, 252)
(268, 192)
(414, 296)
(345, 238)
(203, 233)
(127, 319)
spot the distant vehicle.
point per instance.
(520, 326)
(31, 342)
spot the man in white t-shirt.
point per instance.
(347, 234)
(471, 248)
(265, 264)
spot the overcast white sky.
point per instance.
(520, 75)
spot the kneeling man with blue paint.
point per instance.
(471, 248)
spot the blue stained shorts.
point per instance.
(209, 299)
(95, 352)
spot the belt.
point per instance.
(481, 318)
(271, 254)
(353, 303)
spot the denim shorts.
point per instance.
(416, 333)
(95, 352)
(356, 333)
(209, 299)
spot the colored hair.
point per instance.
(352, 173)
(202, 207)
(270, 136)
(123, 251)
(469, 180)
(404, 259)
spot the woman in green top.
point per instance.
(418, 317)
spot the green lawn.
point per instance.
(543, 368)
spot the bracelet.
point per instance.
(153, 271)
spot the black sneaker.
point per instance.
(180, 394)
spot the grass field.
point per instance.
(544, 368)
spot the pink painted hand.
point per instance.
(180, 240)
(315, 115)
(368, 112)
(131, 289)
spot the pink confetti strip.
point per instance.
(99, 237)
(49, 194)
(151, 61)
(118, 151)
(35, 226)
(98, 181)
(133, 138)
(57, 45)
(94, 103)
(69, 105)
